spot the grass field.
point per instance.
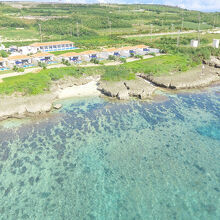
(31, 84)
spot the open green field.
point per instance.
(96, 25)
(31, 84)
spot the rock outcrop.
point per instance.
(129, 88)
(18, 107)
(186, 80)
(214, 61)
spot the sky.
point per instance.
(201, 5)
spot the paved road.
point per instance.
(159, 34)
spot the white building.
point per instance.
(194, 43)
(71, 57)
(53, 46)
(88, 55)
(25, 50)
(104, 54)
(19, 61)
(2, 47)
(42, 58)
(215, 43)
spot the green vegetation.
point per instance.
(18, 69)
(3, 53)
(97, 25)
(31, 84)
(160, 65)
(117, 73)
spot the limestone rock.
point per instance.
(123, 95)
(57, 106)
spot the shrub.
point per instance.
(112, 57)
(94, 60)
(3, 53)
(123, 60)
(66, 62)
(18, 69)
(43, 65)
(138, 56)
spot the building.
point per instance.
(215, 43)
(125, 52)
(19, 61)
(2, 47)
(88, 55)
(104, 54)
(71, 57)
(194, 43)
(141, 49)
(53, 46)
(43, 57)
(2, 64)
(25, 50)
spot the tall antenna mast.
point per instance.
(151, 29)
(110, 26)
(199, 29)
(77, 28)
(40, 33)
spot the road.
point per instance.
(159, 34)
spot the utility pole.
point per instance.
(199, 29)
(40, 33)
(182, 24)
(110, 26)
(151, 30)
(213, 27)
(77, 29)
(172, 27)
(178, 39)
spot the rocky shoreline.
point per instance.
(143, 87)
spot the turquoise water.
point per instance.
(100, 160)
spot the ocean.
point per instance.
(104, 160)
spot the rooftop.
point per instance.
(1, 59)
(18, 57)
(51, 43)
(88, 52)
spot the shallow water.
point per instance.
(99, 160)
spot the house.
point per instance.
(71, 57)
(88, 55)
(53, 46)
(25, 50)
(153, 50)
(125, 51)
(43, 57)
(19, 61)
(141, 49)
(2, 64)
(104, 54)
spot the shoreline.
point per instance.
(143, 87)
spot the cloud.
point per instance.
(201, 5)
